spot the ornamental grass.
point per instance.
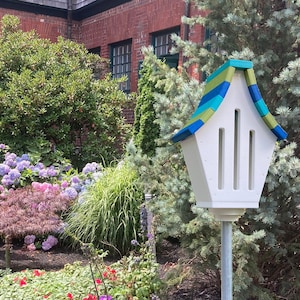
(107, 214)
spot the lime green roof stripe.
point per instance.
(226, 75)
(250, 77)
(204, 117)
(270, 121)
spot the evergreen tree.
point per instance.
(265, 241)
(145, 128)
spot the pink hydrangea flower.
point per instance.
(31, 247)
(64, 184)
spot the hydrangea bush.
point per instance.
(33, 197)
(19, 171)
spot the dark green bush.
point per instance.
(50, 101)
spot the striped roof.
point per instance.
(215, 91)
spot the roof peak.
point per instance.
(235, 63)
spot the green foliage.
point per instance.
(163, 175)
(265, 241)
(133, 277)
(107, 214)
(72, 279)
(140, 273)
(49, 97)
(146, 131)
(278, 216)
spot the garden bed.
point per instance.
(190, 288)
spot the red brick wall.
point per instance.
(134, 20)
(46, 26)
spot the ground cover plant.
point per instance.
(132, 277)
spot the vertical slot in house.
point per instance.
(236, 149)
(251, 160)
(221, 159)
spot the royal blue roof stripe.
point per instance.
(219, 90)
(187, 131)
(279, 132)
(254, 92)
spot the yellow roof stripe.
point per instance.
(250, 77)
(270, 121)
(204, 116)
(226, 75)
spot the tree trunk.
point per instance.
(8, 245)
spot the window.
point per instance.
(211, 41)
(121, 63)
(162, 44)
(211, 44)
(97, 70)
(95, 50)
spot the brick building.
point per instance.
(115, 29)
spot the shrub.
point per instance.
(107, 213)
(32, 197)
(50, 102)
(27, 211)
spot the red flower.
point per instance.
(46, 296)
(98, 281)
(90, 297)
(37, 273)
(23, 281)
(110, 273)
(70, 296)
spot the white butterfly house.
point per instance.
(228, 142)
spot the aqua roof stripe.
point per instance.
(217, 85)
(261, 107)
(213, 103)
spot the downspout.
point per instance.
(186, 27)
(69, 18)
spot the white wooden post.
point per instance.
(226, 261)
